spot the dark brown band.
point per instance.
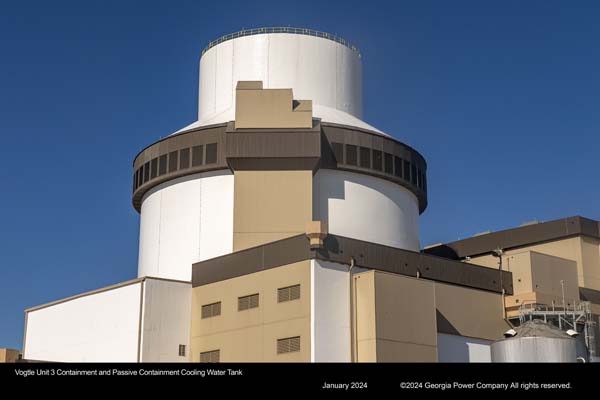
(325, 145)
(341, 250)
(518, 237)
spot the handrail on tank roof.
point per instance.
(281, 29)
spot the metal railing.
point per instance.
(281, 29)
(578, 317)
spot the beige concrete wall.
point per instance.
(391, 326)
(590, 257)
(398, 317)
(405, 319)
(271, 108)
(519, 264)
(469, 312)
(270, 205)
(536, 279)
(9, 355)
(547, 273)
(584, 251)
(251, 335)
(364, 317)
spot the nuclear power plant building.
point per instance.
(281, 227)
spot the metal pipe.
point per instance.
(352, 322)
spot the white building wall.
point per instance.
(166, 320)
(330, 312)
(367, 208)
(184, 221)
(104, 326)
(317, 69)
(99, 327)
(454, 348)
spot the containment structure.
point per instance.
(279, 142)
(535, 341)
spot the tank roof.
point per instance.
(281, 29)
(539, 328)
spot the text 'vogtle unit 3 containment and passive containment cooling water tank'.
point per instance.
(373, 188)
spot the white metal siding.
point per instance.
(184, 221)
(330, 312)
(366, 208)
(99, 327)
(454, 348)
(167, 313)
(317, 69)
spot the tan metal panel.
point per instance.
(469, 312)
(270, 205)
(252, 334)
(364, 317)
(391, 351)
(405, 309)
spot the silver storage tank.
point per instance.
(535, 341)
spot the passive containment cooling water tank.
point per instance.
(185, 188)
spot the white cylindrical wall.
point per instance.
(534, 349)
(184, 221)
(367, 208)
(326, 72)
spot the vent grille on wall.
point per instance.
(247, 302)
(211, 310)
(288, 345)
(288, 293)
(213, 356)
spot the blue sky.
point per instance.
(502, 98)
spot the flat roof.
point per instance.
(100, 290)
(341, 250)
(517, 237)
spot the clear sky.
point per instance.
(502, 98)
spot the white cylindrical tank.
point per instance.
(189, 219)
(535, 341)
(366, 208)
(183, 221)
(317, 68)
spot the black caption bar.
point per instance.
(330, 377)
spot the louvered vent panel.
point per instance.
(213, 356)
(288, 293)
(283, 294)
(247, 302)
(294, 292)
(211, 310)
(288, 345)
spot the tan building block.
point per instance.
(590, 258)
(365, 317)
(537, 279)
(400, 316)
(251, 335)
(390, 325)
(583, 250)
(270, 205)
(469, 312)
(548, 272)
(406, 327)
(9, 355)
(391, 351)
(256, 107)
